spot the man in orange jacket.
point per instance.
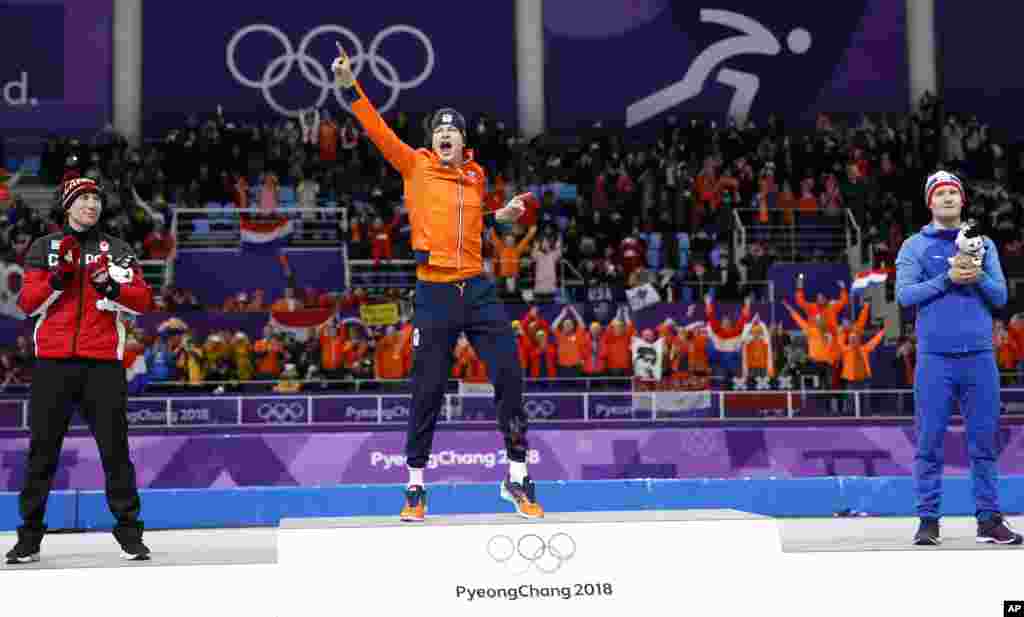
(445, 191)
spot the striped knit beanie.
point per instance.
(75, 187)
(942, 178)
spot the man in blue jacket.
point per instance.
(955, 358)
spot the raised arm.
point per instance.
(875, 341)
(911, 286)
(525, 242)
(401, 156)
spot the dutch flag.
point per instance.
(867, 279)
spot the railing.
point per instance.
(214, 227)
(393, 273)
(365, 412)
(811, 236)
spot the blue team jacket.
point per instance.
(951, 318)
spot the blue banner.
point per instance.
(635, 63)
(345, 409)
(56, 71)
(975, 70)
(217, 274)
(269, 59)
(204, 411)
(12, 414)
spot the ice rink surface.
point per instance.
(809, 535)
(259, 545)
(199, 547)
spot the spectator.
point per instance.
(241, 357)
(822, 306)
(820, 343)
(468, 366)
(615, 345)
(727, 338)
(508, 254)
(388, 362)
(289, 383)
(543, 356)
(856, 362)
(269, 353)
(567, 335)
(546, 258)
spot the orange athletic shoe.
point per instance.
(415, 509)
(523, 497)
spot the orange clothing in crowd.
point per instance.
(697, 352)
(387, 358)
(270, 363)
(1016, 330)
(328, 140)
(832, 309)
(543, 358)
(381, 235)
(332, 352)
(820, 347)
(1007, 352)
(354, 352)
(569, 355)
(593, 363)
(716, 326)
(506, 261)
(469, 366)
(531, 325)
(445, 203)
(616, 347)
(858, 326)
(757, 355)
(856, 359)
(405, 348)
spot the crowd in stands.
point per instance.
(617, 213)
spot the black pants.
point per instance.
(101, 391)
(442, 311)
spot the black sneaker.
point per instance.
(136, 551)
(996, 531)
(27, 548)
(928, 533)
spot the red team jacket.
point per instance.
(78, 322)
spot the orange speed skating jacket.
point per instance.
(446, 204)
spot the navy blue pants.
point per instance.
(973, 380)
(442, 312)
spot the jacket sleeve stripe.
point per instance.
(46, 304)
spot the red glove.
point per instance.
(102, 282)
(68, 255)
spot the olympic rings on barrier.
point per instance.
(282, 412)
(320, 75)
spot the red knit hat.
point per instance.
(75, 187)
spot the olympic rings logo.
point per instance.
(543, 408)
(287, 413)
(531, 551)
(321, 76)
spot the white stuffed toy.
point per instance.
(970, 246)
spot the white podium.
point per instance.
(595, 563)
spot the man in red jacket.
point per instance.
(76, 283)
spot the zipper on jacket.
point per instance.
(81, 302)
(461, 208)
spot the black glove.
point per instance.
(102, 282)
